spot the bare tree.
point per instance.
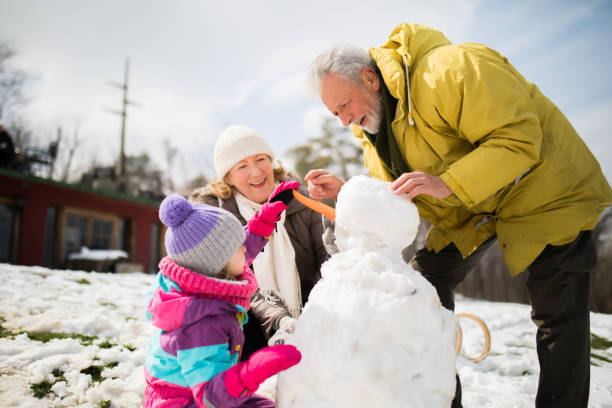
(334, 150)
(68, 149)
(11, 82)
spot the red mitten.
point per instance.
(244, 378)
(264, 221)
(283, 192)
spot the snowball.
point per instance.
(370, 215)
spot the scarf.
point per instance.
(275, 267)
(237, 292)
(384, 141)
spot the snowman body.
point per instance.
(373, 333)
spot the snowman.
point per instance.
(373, 333)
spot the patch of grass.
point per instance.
(42, 389)
(109, 304)
(600, 357)
(82, 281)
(106, 344)
(600, 343)
(47, 336)
(5, 333)
(104, 404)
(95, 371)
(129, 347)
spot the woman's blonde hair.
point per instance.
(221, 189)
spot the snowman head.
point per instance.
(369, 216)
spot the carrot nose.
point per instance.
(317, 206)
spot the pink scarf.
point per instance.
(237, 292)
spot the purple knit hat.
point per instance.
(200, 237)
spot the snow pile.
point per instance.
(72, 338)
(98, 254)
(38, 300)
(373, 332)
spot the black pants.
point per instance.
(254, 338)
(558, 285)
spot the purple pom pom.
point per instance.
(174, 210)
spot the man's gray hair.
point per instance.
(342, 59)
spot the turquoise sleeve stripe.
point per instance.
(163, 282)
(162, 365)
(167, 284)
(200, 364)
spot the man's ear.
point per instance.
(370, 79)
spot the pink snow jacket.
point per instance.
(200, 320)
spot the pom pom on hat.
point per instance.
(236, 143)
(199, 237)
(174, 210)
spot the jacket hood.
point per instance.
(413, 41)
(406, 44)
(169, 309)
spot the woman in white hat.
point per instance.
(290, 265)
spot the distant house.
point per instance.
(43, 221)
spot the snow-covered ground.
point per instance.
(78, 339)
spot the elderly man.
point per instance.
(486, 157)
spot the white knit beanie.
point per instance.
(236, 143)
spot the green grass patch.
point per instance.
(42, 389)
(5, 333)
(104, 404)
(46, 336)
(106, 344)
(109, 304)
(600, 343)
(600, 357)
(129, 347)
(95, 371)
(82, 281)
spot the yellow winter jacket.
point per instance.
(515, 164)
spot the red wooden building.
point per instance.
(43, 221)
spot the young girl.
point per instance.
(199, 304)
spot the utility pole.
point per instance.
(120, 165)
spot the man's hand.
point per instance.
(417, 183)
(323, 184)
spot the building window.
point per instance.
(7, 233)
(50, 234)
(156, 253)
(90, 229)
(102, 234)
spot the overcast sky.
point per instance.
(197, 66)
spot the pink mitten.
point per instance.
(264, 221)
(244, 378)
(283, 193)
